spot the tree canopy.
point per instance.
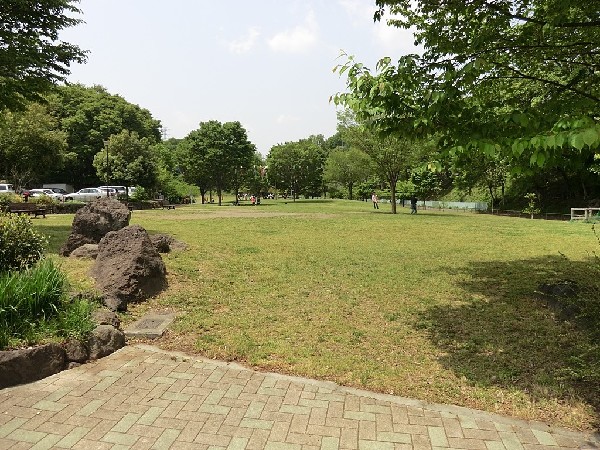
(518, 77)
(89, 116)
(32, 58)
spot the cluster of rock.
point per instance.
(30, 364)
(128, 266)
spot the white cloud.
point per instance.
(360, 11)
(297, 40)
(286, 119)
(245, 43)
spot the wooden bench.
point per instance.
(27, 208)
(165, 204)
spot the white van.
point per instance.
(6, 188)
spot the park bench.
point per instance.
(27, 208)
(583, 213)
(166, 205)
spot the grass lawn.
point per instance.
(439, 306)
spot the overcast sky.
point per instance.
(265, 63)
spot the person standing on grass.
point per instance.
(413, 205)
(375, 201)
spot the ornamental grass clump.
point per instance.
(34, 307)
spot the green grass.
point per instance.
(437, 306)
(34, 307)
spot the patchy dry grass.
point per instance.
(437, 306)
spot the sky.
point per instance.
(265, 63)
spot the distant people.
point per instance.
(413, 205)
(375, 201)
(26, 196)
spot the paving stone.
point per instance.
(141, 397)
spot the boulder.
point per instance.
(94, 221)
(76, 351)
(104, 340)
(165, 243)
(106, 317)
(128, 268)
(85, 251)
(31, 364)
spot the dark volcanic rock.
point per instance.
(94, 221)
(128, 268)
(27, 365)
(105, 339)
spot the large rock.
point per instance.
(94, 221)
(104, 340)
(165, 243)
(128, 268)
(27, 365)
(76, 351)
(89, 251)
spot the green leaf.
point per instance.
(541, 159)
(576, 141)
(590, 137)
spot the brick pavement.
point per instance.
(145, 398)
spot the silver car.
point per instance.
(85, 195)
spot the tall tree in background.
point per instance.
(347, 167)
(127, 160)
(32, 58)
(89, 116)
(30, 145)
(216, 153)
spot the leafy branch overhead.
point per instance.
(516, 77)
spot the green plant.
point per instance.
(140, 194)
(34, 308)
(45, 200)
(532, 202)
(5, 199)
(20, 245)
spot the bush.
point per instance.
(44, 200)
(67, 207)
(5, 199)
(20, 245)
(33, 307)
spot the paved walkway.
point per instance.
(142, 398)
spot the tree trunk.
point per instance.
(350, 190)
(219, 194)
(393, 195)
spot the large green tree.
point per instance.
(32, 57)
(30, 145)
(127, 160)
(89, 116)
(297, 167)
(519, 77)
(348, 167)
(216, 154)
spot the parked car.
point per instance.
(59, 191)
(119, 189)
(6, 188)
(108, 190)
(48, 192)
(85, 195)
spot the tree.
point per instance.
(519, 77)
(347, 167)
(127, 160)
(89, 116)
(216, 155)
(30, 145)
(32, 58)
(297, 167)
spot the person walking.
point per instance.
(413, 205)
(375, 201)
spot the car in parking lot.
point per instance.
(6, 188)
(86, 195)
(108, 191)
(48, 192)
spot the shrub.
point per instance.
(20, 245)
(67, 207)
(44, 200)
(5, 199)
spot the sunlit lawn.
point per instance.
(439, 306)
